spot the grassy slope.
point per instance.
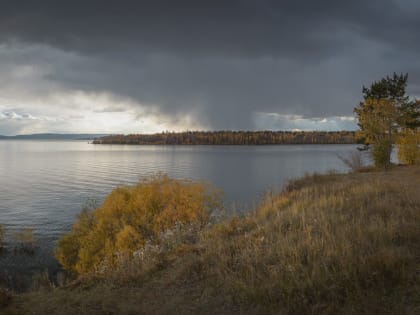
(347, 244)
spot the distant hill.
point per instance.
(54, 136)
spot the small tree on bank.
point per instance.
(388, 116)
(377, 122)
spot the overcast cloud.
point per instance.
(147, 66)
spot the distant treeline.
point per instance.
(232, 138)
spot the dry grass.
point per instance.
(332, 244)
(26, 240)
(328, 245)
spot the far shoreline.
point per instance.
(237, 138)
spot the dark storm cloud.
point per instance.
(224, 60)
(238, 28)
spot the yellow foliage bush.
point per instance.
(409, 147)
(131, 216)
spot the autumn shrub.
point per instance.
(132, 216)
(409, 147)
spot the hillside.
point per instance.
(328, 244)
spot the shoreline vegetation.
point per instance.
(232, 138)
(327, 244)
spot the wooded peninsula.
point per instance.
(232, 138)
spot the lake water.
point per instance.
(44, 184)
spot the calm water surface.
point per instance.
(44, 184)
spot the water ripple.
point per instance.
(44, 184)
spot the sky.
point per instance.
(151, 66)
